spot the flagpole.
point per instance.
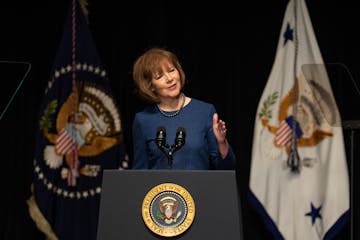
(352, 125)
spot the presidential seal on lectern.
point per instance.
(168, 210)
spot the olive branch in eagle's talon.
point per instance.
(265, 110)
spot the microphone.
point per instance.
(161, 138)
(180, 138)
(161, 143)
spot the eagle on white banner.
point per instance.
(299, 178)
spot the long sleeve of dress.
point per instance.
(217, 162)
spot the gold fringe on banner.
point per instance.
(41, 222)
(84, 4)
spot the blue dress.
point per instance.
(200, 151)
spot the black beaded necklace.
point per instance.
(174, 113)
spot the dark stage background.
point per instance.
(227, 51)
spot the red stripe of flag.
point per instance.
(64, 143)
(283, 134)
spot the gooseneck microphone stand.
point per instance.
(166, 148)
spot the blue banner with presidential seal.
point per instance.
(79, 135)
(299, 178)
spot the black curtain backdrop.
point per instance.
(227, 50)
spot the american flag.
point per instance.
(66, 141)
(284, 133)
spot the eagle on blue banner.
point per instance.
(79, 135)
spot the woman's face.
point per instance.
(166, 81)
